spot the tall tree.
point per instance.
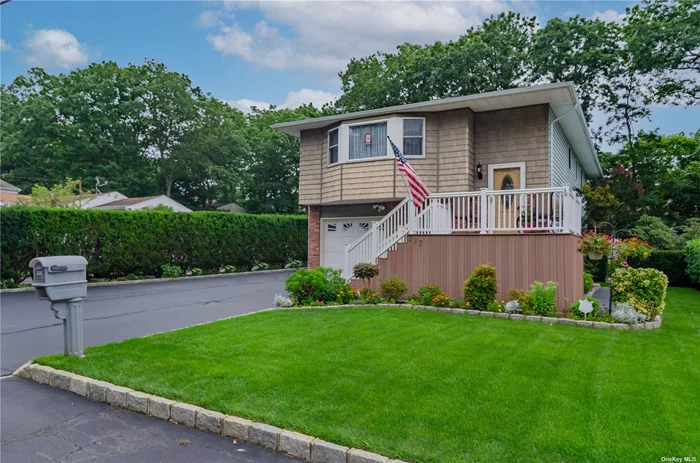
(663, 39)
(492, 56)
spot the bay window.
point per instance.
(333, 146)
(367, 141)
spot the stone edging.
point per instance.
(158, 280)
(529, 318)
(260, 434)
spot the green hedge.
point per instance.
(692, 259)
(672, 263)
(117, 243)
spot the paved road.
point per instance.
(113, 313)
(43, 424)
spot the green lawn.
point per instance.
(428, 386)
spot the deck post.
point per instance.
(347, 261)
(483, 220)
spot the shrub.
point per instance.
(579, 315)
(595, 268)
(543, 297)
(692, 259)
(196, 271)
(495, 306)
(441, 300)
(654, 231)
(625, 313)
(171, 271)
(523, 298)
(643, 288)
(365, 272)
(319, 284)
(229, 269)
(282, 301)
(672, 263)
(481, 287)
(296, 263)
(263, 266)
(370, 296)
(587, 282)
(427, 293)
(512, 307)
(117, 243)
(393, 288)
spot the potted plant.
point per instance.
(595, 245)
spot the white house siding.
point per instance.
(562, 174)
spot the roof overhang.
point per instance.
(560, 96)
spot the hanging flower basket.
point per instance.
(595, 245)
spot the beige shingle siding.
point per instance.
(514, 135)
(562, 174)
(453, 157)
(310, 160)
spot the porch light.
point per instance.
(479, 173)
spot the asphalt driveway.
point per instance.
(113, 313)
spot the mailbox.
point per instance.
(59, 278)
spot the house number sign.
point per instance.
(368, 138)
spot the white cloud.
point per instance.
(304, 96)
(609, 16)
(294, 99)
(246, 105)
(53, 48)
(208, 19)
(4, 46)
(326, 35)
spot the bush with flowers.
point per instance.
(427, 293)
(441, 300)
(595, 245)
(496, 306)
(370, 296)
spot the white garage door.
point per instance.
(338, 233)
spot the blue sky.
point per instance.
(284, 53)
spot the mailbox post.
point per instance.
(62, 280)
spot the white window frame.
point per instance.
(413, 156)
(328, 154)
(509, 165)
(394, 130)
(346, 142)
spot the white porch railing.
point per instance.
(538, 210)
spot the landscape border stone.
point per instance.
(652, 325)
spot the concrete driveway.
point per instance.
(113, 313)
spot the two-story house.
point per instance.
(501, 166)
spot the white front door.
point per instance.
(336, 234)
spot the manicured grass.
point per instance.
(427, 386)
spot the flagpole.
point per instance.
(405, 183)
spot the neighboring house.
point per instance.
(93, 200)
(9, 195)
(231, 207)
(148, 202)
(501, 167)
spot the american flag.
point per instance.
(419, 192)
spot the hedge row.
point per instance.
(117, 243)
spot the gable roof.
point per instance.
(129, 201)
(560, 96)
(8, 187)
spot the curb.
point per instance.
(160, 280)
(262, 435)
(653, 325)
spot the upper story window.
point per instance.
(333, 146)
(413, 136)
(367, 141)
